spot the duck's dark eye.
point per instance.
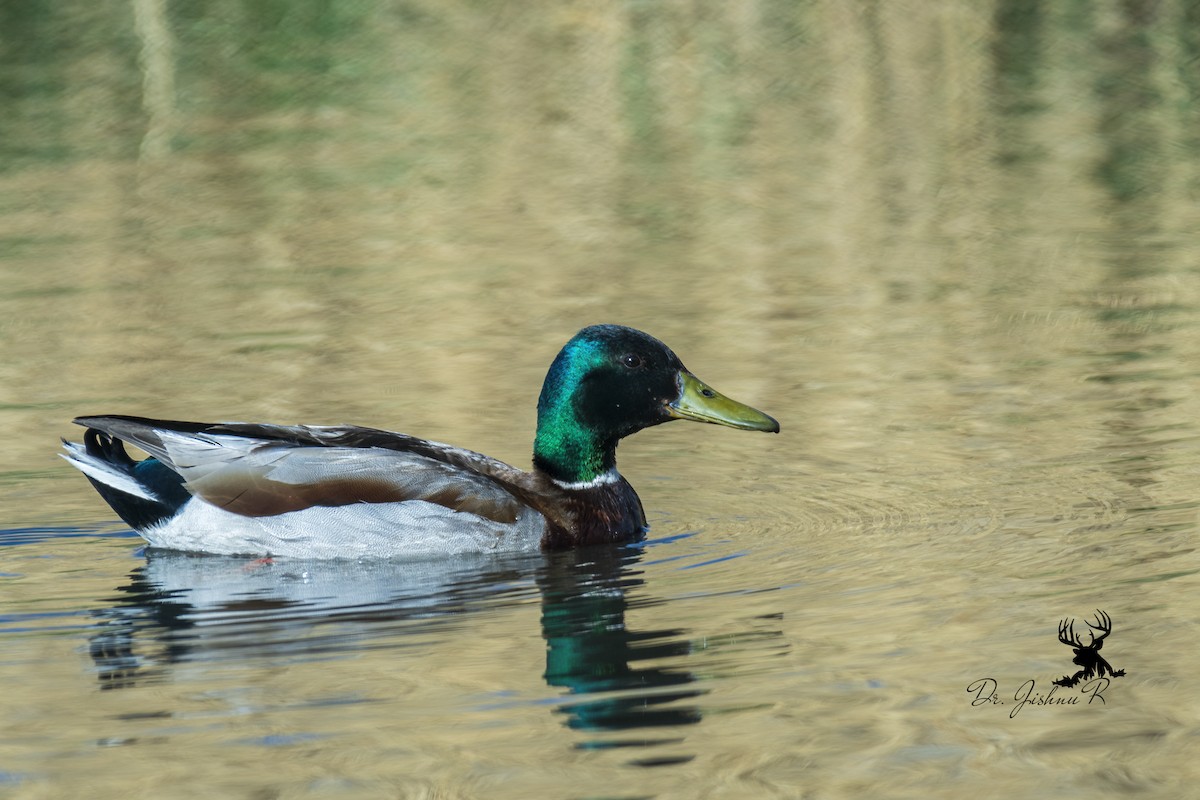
(633, 361)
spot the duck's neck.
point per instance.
(573, 448)
(572, 454)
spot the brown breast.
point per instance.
(580, 517)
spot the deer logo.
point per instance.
(1087, 656)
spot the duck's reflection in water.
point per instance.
(179, 608)
(591, 651)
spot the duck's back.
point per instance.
(315, 492)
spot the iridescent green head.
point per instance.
(610, 381)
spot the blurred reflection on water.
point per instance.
(589, 650)
(195, 608)
(951, 246)
(179, 608)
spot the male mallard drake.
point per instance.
(345, 491)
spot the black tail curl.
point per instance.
(100, 445)
(151, 474)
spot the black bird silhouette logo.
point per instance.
(1087, 656)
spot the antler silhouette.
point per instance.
(1067, 635)
(1087, 656)
(1103, 623)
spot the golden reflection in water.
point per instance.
(951, 246)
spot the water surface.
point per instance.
(951, 247)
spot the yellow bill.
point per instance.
(700, 402)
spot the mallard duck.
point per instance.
(350, 492)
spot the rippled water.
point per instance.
(952, 247)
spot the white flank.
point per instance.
(410, 529)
